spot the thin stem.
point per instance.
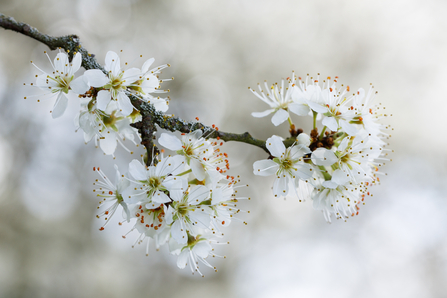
(322, 133)
(185, 172)
(315, 118)
(290, 122)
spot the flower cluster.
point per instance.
(183, 200)
(105, 107)
(337, 166)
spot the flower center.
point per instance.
(188, 150)
(286, 164)
(63, 82)
(154, 182)
(183, 209)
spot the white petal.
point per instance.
(175, 185)
(198, 194)
(304, 171)
(164, 167)
(147, 64)
(60, 61)
(108, 144)
(197, 169)
(280, 188)
(298, 151)
(349, 128)
(137, 170)
(275, 146)
(265, 167)
(169, 215)
(112, 63)
(183, 258)
(200, 218)
(279, 117)
(298, 95)
(179, 164)
(343, 145)
(331, 123)
(170, 142)
(329, 184)
(132, 195)
(160, 197)
(60, 105)
(96, 78)
(262, 114)
(76, 63)
(317, 107)
(214, 176)
(202, 249)
(88, 135)
(340, 177)
(102, 99)
(150, 83)
(195, 135)
(125, 104)
(160, 104)
(299, 109)
(131, 75)
(178, 232)
(323, 157)
(79, 86)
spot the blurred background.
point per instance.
(50, 245)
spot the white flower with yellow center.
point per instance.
(287, 165)
(111, 192)
(279, 98)
(197, 249)
(108, 128)
(356, 157)
(114, 85)
(149, 82)
(338, 196)
(193, 148)
(154, 185)
(186, 213)
(367, 114)
(61, 81)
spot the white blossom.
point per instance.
(149, 82)
(206, 163)
(108, 128)
(61, 81)
(279, 98)
(186, 212)
(114, 85)
(149, 185)
(197, 250)
(287, 165)
(338, 196)
(112, 192)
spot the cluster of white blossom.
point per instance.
(106, 110)
(183, 200)
(336, 167)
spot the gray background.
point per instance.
(50, 245)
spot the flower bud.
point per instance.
(303, 139)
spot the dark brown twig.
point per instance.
(150, 116)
